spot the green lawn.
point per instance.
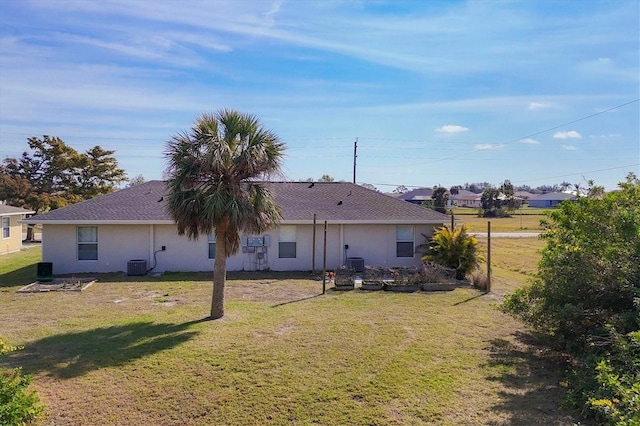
(137, 352)
(516, 223)
(526, 219)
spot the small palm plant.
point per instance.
(455, 248)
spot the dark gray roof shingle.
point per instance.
(332, 201)
(552, 196)
(418, 194)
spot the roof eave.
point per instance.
(285, 222)
(368, 222)
(17, 213)
(96, 222)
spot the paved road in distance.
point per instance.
(506, 234)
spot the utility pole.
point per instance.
(355, 151)
(488, 256)
(313, 247)
(324, 261)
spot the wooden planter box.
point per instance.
(372, 285)
(438, 287)
(401, 288)
(343, 287)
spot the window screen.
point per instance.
(212, 246)
(87, 243)
(6, 227)
(404, 241)
(287, 242)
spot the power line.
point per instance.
(583, 173)
(527, 180)
(533, 134)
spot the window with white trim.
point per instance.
(212, 246)
(287, 242)
(6, 227)
(404, 241)
(87, 243)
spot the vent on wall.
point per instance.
(137, 267)
(355, 263)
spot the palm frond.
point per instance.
(211, 172)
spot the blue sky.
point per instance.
(436, 93)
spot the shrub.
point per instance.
(18, 404)
(454, 248)
(607, 386)
(585, 298)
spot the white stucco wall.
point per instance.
(118, 244)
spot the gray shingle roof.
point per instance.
(417, 194)
(552, 196)
(299, 201)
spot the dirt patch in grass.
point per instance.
(58, 284)
(272, 290)
(138, 352)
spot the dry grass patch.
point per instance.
(513, 262)
(516, 223)
(138, 352)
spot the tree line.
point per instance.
(54, 175)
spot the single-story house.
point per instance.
(523, 195)
(11, 239)
(550, 199)
(417, 196)
(465, 198)
(131, 226)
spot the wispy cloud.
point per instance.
(605, 136)
(571, 134)
(569, 147)
(452, 128)
(275, 8)
(488, 146)
(127, 69)
(538, 105)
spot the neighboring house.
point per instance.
(523, 195)
(417, 196)
(107, 233)
(550, 199)
(11, 239)
(466, 198)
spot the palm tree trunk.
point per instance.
(219, 274)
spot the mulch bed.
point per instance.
(58, 284)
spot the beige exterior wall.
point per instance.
(14, 242)
(118, 244)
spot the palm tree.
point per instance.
(212, 184)
(455, 248)
(440, 197)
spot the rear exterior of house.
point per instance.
(109, 248)
(107, 233)
(11, 238)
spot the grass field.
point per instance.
(517, 223)
(138, 352)
(526, 219)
